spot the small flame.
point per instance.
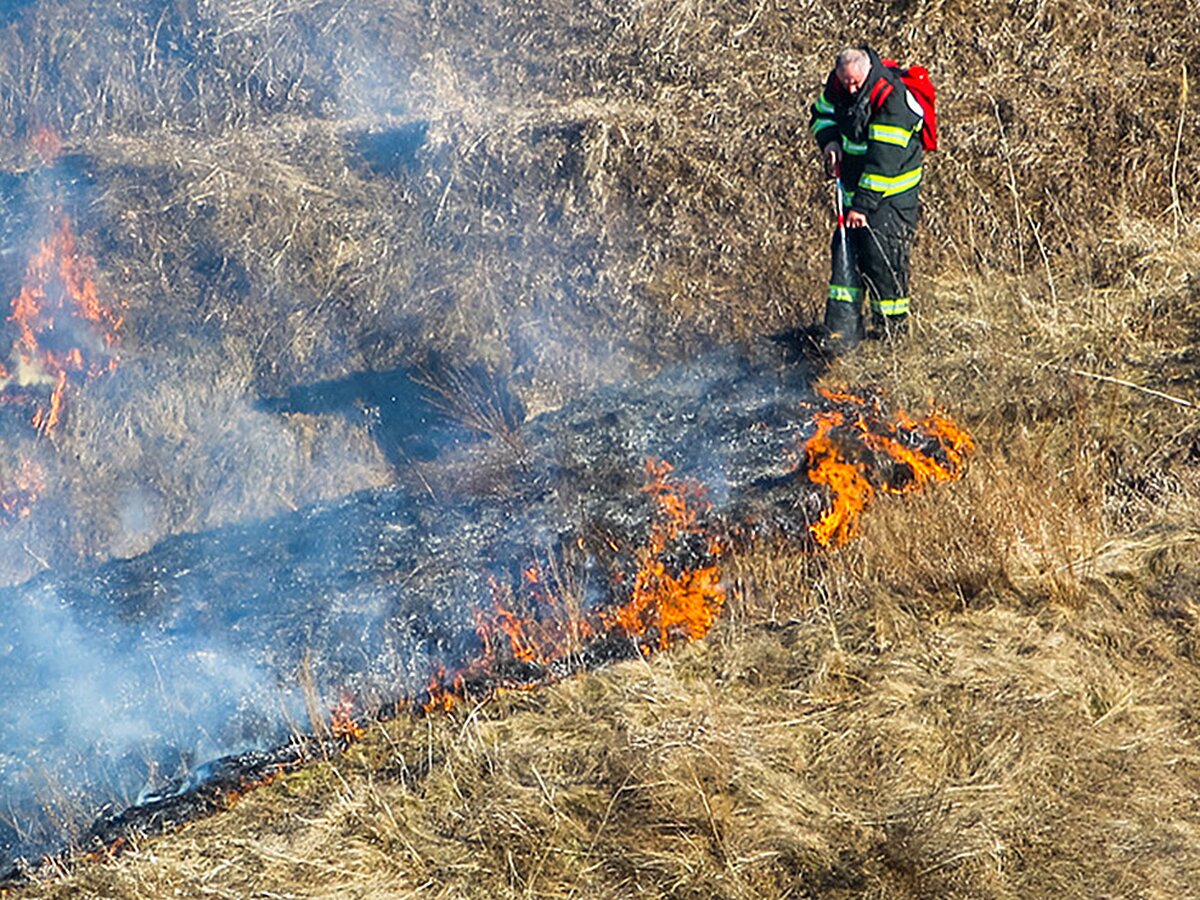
(62, 327)
(547, 633)
(503, 620)
(443, 692)
(232, 796)
(343, 723)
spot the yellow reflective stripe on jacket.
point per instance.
(890, 134)
(889, 186)
(844, 294)
(823, 106)
(897, 307)
(819, 124)
(851, 148)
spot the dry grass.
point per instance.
(597, 189)
(996, 752)
(991, 693)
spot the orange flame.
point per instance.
(850, 488)
(667, 603)
(904, 441)
(675, 606)
(505, 621)
(342, 724)
(232, 796)
(58, 303)
(551, 633)
(442, 693)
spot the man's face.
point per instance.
(852, 78)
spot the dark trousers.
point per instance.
(872, 260)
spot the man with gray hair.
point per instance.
(866, 125)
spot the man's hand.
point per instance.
(832, 155)
(856, 219)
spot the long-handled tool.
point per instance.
(839, 205)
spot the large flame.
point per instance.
(672, 591)
(841, 455)
(62, 328)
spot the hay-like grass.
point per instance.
(990, 694)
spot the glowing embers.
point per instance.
(19, 490)
(856, 451)
(60, 330)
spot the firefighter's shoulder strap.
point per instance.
(920, 87)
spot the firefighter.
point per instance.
(866, 124)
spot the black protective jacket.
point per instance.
(878, 131)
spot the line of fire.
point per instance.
(592, 534)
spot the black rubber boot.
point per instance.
(843, 327)
(843, 303)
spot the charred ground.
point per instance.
(991, 693)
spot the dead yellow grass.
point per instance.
(597, 190)
(989, 694)
(998, 752)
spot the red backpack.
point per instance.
(916, 79)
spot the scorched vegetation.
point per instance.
(990, 691)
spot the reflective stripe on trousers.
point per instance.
(897, 307)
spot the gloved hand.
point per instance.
(832, 157)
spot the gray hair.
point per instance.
(853, 58)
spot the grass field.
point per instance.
(991, 693)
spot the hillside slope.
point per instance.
(990, 693)
(281, 195)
